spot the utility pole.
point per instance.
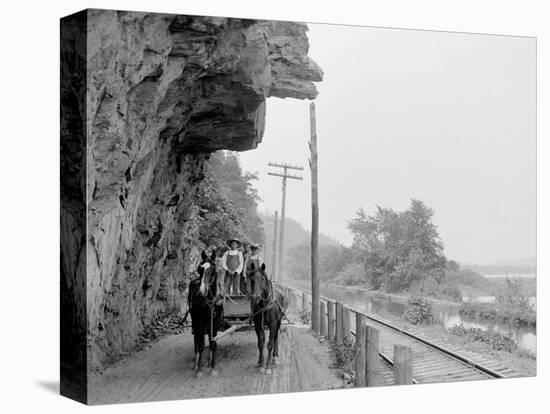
(284, 175)
(274, 247)
(315, 316)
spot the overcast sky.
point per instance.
(443, 117)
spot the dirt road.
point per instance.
(164, 371)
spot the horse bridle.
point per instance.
(211, 269)
(210, 302)
(268, 301)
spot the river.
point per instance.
(446, 315)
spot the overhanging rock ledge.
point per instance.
(163, 91)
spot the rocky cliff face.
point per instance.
(164, 91)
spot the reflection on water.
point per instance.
(482, 299)
(445, 315)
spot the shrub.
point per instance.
(452, 292)
(343, 354)
(513, 295)
(429, 286)
(418, 311)
(470, 281)
(494, 339)
(352, 274)
(525, 353)
(498, 313)
(305, 317)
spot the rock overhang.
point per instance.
(251, 60)
(162, 92)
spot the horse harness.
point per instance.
(270, 303)
(211, 305)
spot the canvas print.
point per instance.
(254, 206)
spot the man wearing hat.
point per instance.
(232, 263)
(252, 259)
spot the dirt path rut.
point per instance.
(164, 371)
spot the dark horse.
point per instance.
(268, 308)
(205, 303)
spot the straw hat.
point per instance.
(233, 240)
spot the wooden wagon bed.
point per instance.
(237, 308)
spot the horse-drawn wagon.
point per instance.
(212, 310)
(237, 315)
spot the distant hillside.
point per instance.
(295, 233)
(526, 262)
(510, 267)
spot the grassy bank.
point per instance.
(487, 344)
(495, 340)
(498, 313)
(520, 360)
(402, 297)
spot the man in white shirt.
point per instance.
(232, 263)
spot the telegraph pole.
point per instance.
(284, 176)
(315, 316)
(274, 247)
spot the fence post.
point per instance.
(360, 351)
(402, 365)
(339, 320)
(346, 329)
(323, 318)
(304, 302)
(331, 321)
(372, 360)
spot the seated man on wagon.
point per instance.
(232, 263)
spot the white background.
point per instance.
(29, 173)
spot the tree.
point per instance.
(453, 266)
(422, 239)
(218, 219)
(398, 248)
(513, 295)
(377, 242)
(228, 202)
(351, 274)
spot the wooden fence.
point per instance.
(336, 326)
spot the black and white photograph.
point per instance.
(289, 207)
(253, 206)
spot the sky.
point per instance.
(447, 118)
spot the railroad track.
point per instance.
(432, 361)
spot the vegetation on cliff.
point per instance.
(228, 203)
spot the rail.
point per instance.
(338, 327)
